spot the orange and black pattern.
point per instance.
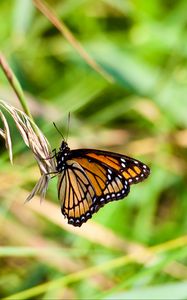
(88, 179)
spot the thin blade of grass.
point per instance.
(7, 136)
(15, 84)
(60, 25)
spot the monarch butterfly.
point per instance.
(88, 179)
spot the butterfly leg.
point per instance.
(50, 157)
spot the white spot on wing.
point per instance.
(123, 160)
(109, 177)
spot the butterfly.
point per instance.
(88, 179)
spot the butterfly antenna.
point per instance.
(58, 131)
(69, 117)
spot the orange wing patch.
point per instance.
(126, 175)
(112, 162)
(137, 170)
(98, 182)
(131, 172)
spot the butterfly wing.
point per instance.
(132, 170)
(94, 178)
(76, 194)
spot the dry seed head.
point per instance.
(35, 140)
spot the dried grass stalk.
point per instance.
(35, 140)
(6, 135)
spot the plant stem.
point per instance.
(15, 85)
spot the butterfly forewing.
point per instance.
(129, 168)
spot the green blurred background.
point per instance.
(131, 249)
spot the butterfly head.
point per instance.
(64, 147)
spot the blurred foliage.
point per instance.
(143, 113)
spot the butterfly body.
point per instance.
(62, 156)
(89, 178)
